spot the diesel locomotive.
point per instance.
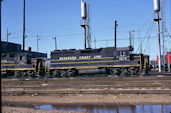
(18, 63)
(72, 62)
(109, 60)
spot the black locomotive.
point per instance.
(70, 63)
(109, 60)
(18, 63)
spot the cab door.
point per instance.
(40, 67)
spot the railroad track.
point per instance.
(87, 91)
(107, 85)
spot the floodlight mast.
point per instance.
(157, 19)
(84, 16)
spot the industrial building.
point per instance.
(9, 48)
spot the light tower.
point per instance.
(88, 24)
(85, 24)
(157, 20)
(84, 16)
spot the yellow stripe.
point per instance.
(8, 64)
(13, 61)
(83, 59)
(33, 61)
(94, 67)
(88, 62)
(126, 65)
(7, 61)
(85, 62)
(13, 65)
(20, 69)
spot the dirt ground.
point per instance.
(29, 110)
(16, 94)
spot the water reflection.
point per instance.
(110, 108)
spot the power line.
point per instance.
(148, 31)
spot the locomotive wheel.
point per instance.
(70, 73)
(55, 73)
(30, 74)
(113, 71)
(137, 71)
(63, 73)
(124, 72)
(132, 72)
(23, 74)
(17, 74)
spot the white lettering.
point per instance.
(98, 56)
(123, 58)
(68, 58)
(84, 57)
(80, 57)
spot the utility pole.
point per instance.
(55, 43)
(115, 32)
(107, 43)
(8, 34)
(157, 19)
(7, 38)
(140, 41)
(0, 23)
(95, 42)
(38, 43)
(0, 42)
(130, 39)
(24, 36)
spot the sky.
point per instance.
(61, 19)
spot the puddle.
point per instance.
(110, 108)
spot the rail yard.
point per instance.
(111, 90)
(107, 79)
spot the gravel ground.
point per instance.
(84, 91)
(29, 110)
(88, 99)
